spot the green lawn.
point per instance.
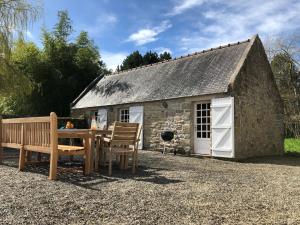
(292, 145)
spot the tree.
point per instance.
(14, 18)
(58, 72)
(135, 59)
(88, 61)
(75, 65)
(63, 28)
(288, 82)
(284, 55)
(286, 74)
(150, 58)
(165, 56)
(28, 58)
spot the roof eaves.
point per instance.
(87, 89)
(221, 92)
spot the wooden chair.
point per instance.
(123, 143)
(39, 134)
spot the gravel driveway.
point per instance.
(166, 190)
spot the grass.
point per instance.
(292, 145)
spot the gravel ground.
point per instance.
(166, 190)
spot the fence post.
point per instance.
(53, 146)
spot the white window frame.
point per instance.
(202, 117)
(124, 115)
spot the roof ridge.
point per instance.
(182, 57)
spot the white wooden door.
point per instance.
(136, 115)
(202, 128)
(102, 119)
(222, 112)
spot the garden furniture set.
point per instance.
(40, 135)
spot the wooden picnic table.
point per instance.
(83, 133)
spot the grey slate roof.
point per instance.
(202, 73)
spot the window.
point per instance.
(124, 115)
(203, 120)
(95, 113)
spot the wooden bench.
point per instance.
(39, 134)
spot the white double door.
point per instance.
(214, 127)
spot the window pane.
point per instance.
(208, 120)
(204, 134)
(124, 115)
(208, 127)
(204, 106)
(203, 120)
(203, 113)
(198, 113)
(208, 135)
(198, 127)
(203, 127)
(198, 134)
(198, 106)
(198, 120)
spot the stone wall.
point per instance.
(158, 116)
(259, 128)
(175, 115)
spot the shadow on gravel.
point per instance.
(285, 160)
(144, 174)
(71, 172)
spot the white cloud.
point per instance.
(112, 60)
(143, 36)
(233, 21)
(161, 50)
(148, 35)
(184, 5)
(100, 24)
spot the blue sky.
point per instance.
(119, 27)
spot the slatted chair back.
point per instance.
(124, 133)
(33, 133)
(10, 133)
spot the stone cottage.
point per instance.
(221, 102)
